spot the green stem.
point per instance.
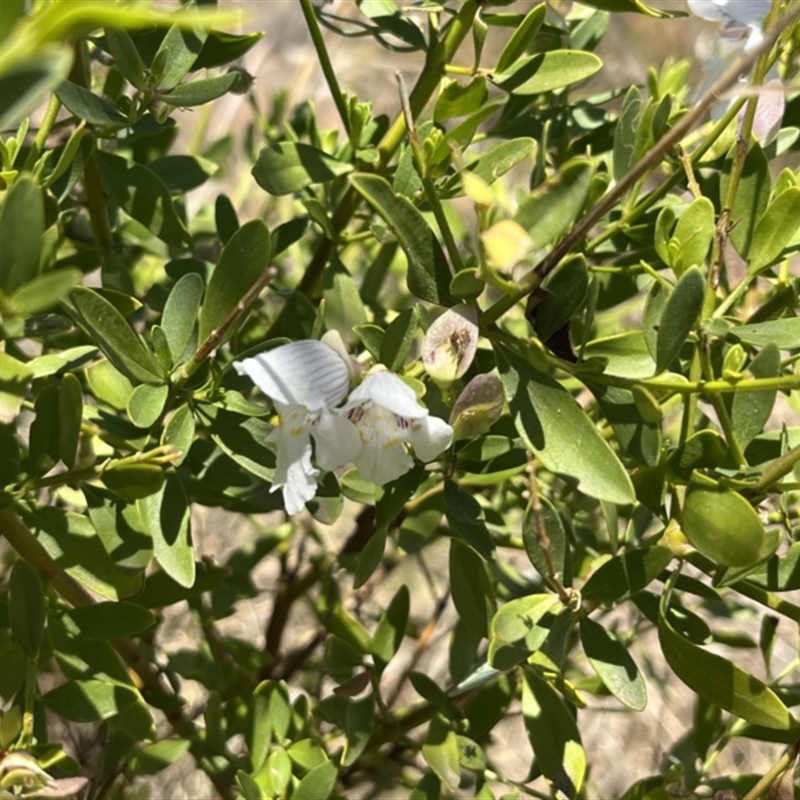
(719, 406)
(40, 139)
(327, 68)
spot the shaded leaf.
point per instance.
(612, 662)
(166, 515)
(557, 429)
(428, 271)
(110, 331)
(289, 167)
(719, 681)
(679, 316)
(545, 72)
(243, 261)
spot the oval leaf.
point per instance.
(288, 167)
(242, 262)
(26, 607)
(90, 701)
(557, 429)
(554, 735)
(545, 72)
(719, 681)
(679, 317)
(612, 662)
(721, 524)
(166, 515)
(111, 620)
(429, 275)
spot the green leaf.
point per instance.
(42, 293)
(397, 339)
(750, 411)
(625, 575)
(545, 72)
(27, 83)
(369, 558)
(343, 306)
(470, 587)
(178, 51)
(26, 607)
(358, 721)
(624, 153)
(566, 292)
(554, 206)
(695, 232)
(465, 517)
(634, 6)
(556, 428)
(752, 196)
(110, 331)
(775, 229)
(182, 173)
(721, 524)
(679, 317)
(152, 758)
(639, 438)
(457, 100)
(143, 195)
(719, 681)
(134, 481)
(779, 573)
(179, 433)
(166, 515)
(702, 450)
(785, 333)
(243, 261)
(70, 417)
(554, 735)
(197, 93)
(88, 106)
(317, 784)
(557, 539)
(227, 223)
(21, 231)
(612, 662)
(522, 38)
(14, 377)
(222, 48)
(289, 167)
(90, 701)
(146, 403)
(428, 271)
(517, 619)
(109, 385)
(180, 313)
(391, 629)
(498, 160)
(111, 620)
(441, 752)
(126, 56)
(120, 528)
(626, 355)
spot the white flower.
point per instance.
(305, 380)
(387, 414)
(741, 19)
